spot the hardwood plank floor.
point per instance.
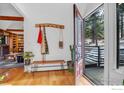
(17, 76)
(84, 81)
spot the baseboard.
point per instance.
(50, 66)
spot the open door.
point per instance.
(78, 44)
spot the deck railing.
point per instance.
(94, 55)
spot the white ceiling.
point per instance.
(6, 9)
(87, 8)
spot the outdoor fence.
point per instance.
(94, 55)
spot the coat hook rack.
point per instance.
(50, 25)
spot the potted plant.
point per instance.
(72, 49)
(28, 57)
(71, 63)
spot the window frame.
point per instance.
(118, 39)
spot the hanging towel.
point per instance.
(44, 46)
(39, 40)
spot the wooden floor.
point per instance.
(17, 76)
(84, 81)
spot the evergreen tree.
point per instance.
(94, 26)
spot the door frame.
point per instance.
(76, 14)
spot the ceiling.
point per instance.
(6, 9)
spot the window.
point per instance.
(120, 34)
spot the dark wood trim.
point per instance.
(1, 29)
(15, 30)
(74, 39)
(78, 12)
(74, 21)
(12, 18)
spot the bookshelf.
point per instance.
(18, 43)
(14, 43)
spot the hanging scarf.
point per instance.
(39, 40)
(44, 46)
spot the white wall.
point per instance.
(5, 24)
(48, 13)
(114, 76)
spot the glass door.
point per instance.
(94, 46)
(78, 44)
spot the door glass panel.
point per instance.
(120, 35)
(94, 46)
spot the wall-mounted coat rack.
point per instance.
(50, 25)
(44, 48)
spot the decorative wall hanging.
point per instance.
(44, 45)
(61, 39)
(43, 41)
